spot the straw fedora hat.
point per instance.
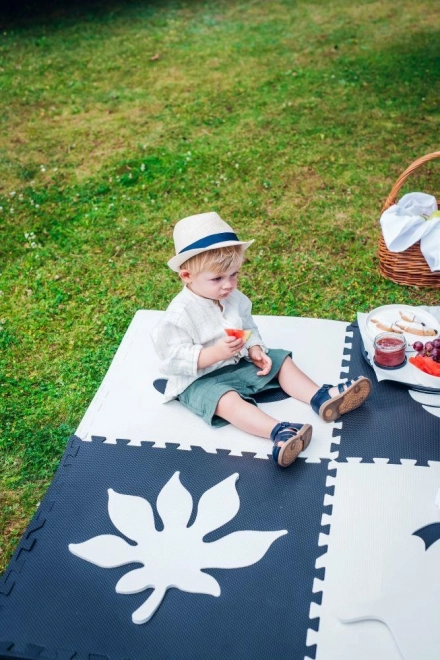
(198, 233)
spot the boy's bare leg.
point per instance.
(290, 439)
(295, 382)
(244, 415)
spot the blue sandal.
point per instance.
(352, 394)
(295, 438)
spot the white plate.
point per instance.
(391, 314)
(413, 384)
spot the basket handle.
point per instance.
(391, 199)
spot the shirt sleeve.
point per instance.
(176, 350)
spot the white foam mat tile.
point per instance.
(127, 405)
(377, 507)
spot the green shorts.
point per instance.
(203, 395)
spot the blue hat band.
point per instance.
(211, 240)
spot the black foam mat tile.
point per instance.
(54, 604)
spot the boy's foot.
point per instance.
(289, 441)
(344, 398)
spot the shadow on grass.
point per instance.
(32, 13)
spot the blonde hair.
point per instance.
(218, 260)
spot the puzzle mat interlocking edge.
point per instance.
(118, 411)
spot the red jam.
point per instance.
(389, 350)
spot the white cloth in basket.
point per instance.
(405, 223)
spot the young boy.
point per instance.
(216, 375)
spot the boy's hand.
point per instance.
(228, 347)
(224, 349)
(260, 359)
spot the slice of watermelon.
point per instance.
(238, 334)
(426, 364)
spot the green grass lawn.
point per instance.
(291, 119)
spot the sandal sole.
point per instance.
(291, 449)
(346, 401)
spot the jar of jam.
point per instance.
(389, 350)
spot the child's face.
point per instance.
(211, 285)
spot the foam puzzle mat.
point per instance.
(161, 537)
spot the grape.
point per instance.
(429, 346)
(436, 343)
(435, 353)
(418, 346)
(436, 359)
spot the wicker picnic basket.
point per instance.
(408, 267)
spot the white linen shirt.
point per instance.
(191, 323)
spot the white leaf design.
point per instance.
(174, 556)
(430, 401)
(199, 583)
(139, 524)
(240, 549)
(146, 611)
(135, 581)
(224, 493)
(106, 551)
(172, 493)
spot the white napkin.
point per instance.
(404, 223)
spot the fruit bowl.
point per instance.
(422, 377)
